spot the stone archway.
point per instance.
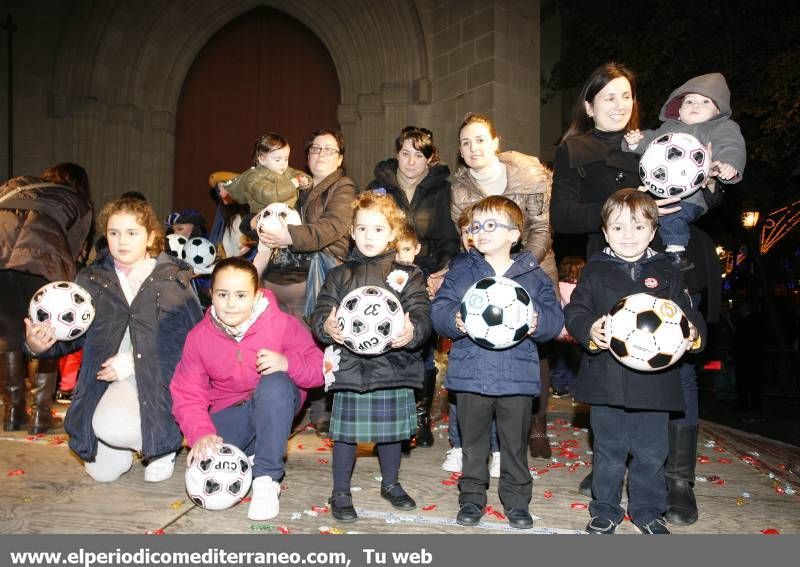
(121, 66)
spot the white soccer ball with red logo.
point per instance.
(66, 305)
(647, 333)
(674, 165)
(370, 317)
(220, 480)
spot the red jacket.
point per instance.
(216, 371)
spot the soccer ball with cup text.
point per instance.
(66, 305)
(674, 165)
(220, 480)
(369, 317)
(497, 312)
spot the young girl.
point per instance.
(374, 399)
(242, 378)
(144, 306)
(270, 180)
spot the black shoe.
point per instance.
(519, 518)
(405, 449)
(654, 527)
(469, 514)
(64, 398)
(601, 526)
(342, 507)
(397, 497)
(585, 487)
(679, 260)
(560, 393)
(322, 428)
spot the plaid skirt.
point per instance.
(381, 416)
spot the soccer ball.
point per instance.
(497, 312)
(66, 305)
(220, 480)
(674, 165)
(274, 215)
(175, 244)
(647, 333)
(370, 317)
(199, 252)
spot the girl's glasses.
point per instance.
(324, 151)
(489, 225)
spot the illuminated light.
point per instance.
(713, 365)
(750, 219)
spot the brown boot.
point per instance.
(44, 389)
(538, 442)
(13, 369)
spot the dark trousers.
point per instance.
(513, 418)
(691, 411)
(619, 432)
(262, 423)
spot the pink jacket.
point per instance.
(215, 371)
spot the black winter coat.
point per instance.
(587, 170)
(428, 212)
(602, 380)
(394, 368)
(164, 310)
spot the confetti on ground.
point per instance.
(322, 461)
(770, 531)
(578, 506)
(16, 472)
(394, 518)
(284, 530)
(261, 528)
(429, 508)
(159, 531)
(177, 504)
(548, 494)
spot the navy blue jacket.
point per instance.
(473, 368)
(164, 310)
(602, 380)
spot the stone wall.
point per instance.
(98, 82)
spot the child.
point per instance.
(187, 223)
(144, 306)
(242, 378)
(373, 398)
(270, 180)
(630, 409)
(453, 459)
(700, 107)
(566, 353)
(499, 383)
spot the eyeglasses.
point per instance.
(488, 226)
(324, 151)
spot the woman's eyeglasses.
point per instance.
(488, 226)
(324, 151)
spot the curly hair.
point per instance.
(145, 216)
(406, 233)
(385, 205)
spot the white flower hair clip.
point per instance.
(330, 364)
(397, 280)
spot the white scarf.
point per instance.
(237, 333)
(492, 179)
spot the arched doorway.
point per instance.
(264, 71)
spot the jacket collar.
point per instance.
(166, 267)
(386, 175)
(357, 256)
(524, 262)
(323, 185)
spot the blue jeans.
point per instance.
(675, 226)
(619, 432)
(262, 423)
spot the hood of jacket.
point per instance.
(386, 174)
(712, 85)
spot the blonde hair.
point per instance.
(406, 233)
(385, 205)
(145, 216)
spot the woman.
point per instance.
(417, 181)
(524, 180)
(325, 209)
(46, 222)
(589, 166)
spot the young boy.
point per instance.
(700, 107)
(498, 383)
(630, 409)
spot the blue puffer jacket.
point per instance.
(163, 312)
(507, 372)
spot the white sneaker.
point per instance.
(160, 469)
(494, 465)
(264, 503)
(452, 460)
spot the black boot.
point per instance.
(585, 487)
(679, 470)
(44, 389)
(424, 433)
(13, 368)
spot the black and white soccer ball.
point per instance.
(674, 165)
(369, 318)
(220, 480)
(497, 312)
(199, 252)
(647, 333)
(175, 244)
(66, 305)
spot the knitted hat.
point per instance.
(190, 216)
